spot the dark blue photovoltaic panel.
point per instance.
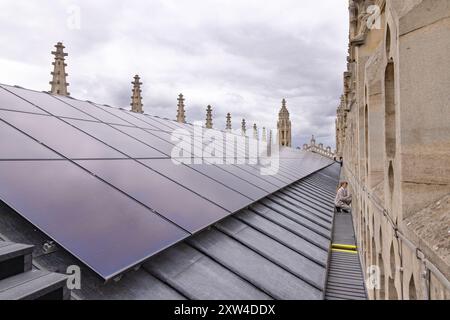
(232, 181)
(93, 110)
(176, 203)
(16, 145)
(128, 117)
(151, 121)
(49, 104)
(258, 172)
(148, 138)
(251, 178)
(12, 102)
(59, 136)
(104, 228)
(122, 200)
(116, 139)
(195, 181)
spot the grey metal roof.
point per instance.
(275, 249)
(345, 280)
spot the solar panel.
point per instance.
(93, 110)
(101, 226)
(230, 180)
(176, 203)
(49, 104)
(116, 139)
(163, 126)
(10, 101)
(16, 145)
(148, 139)
(211, 189)
(251, 178)
(257, 171)
(112, 195)
(59, 136)
(127, 117)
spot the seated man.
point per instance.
(343, 199)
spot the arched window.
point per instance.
(390, 117)
(366, 136)
(388, 42)
(391, 181)
(392, 290)
(380, 264)
(412, 289)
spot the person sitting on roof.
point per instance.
(343, 199)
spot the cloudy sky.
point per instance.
(240, 56)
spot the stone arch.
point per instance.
(391, 182)
(373, 262)
(380, 264)
(391, 285)
(366, 137)
(390, 116)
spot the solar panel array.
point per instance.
(101, 181)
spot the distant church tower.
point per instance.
(136, 99)
(59, 83)
(284, 126)
(181, 118)
(209, 123)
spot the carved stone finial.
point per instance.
(228, 125)
(59, 82)
(264, 135)
(255, 132)
(180, 109)
(209, 123)
(243, 128)
(136, 98)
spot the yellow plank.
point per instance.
(346, 251)
(343, 246)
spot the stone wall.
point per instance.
(393, 132)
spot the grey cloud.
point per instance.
(240, 57)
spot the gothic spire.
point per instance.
(209, 123)
(228, 125)
(243, 128)
(255, 132)
(136, 98)
(264, 135)
(59, 82)
(180, 110)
